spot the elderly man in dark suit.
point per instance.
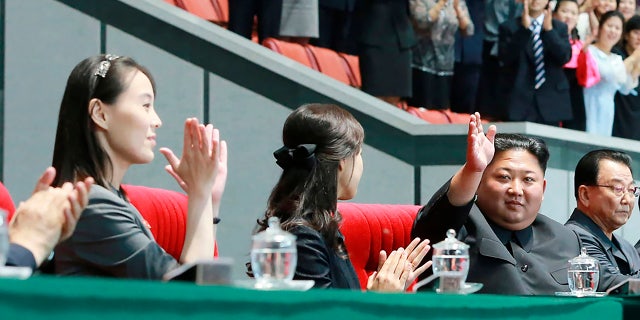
(532, 51)
(605, 194)
(492, 202)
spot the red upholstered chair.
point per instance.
(331, 64)
(353, 63)
(292, 50)
(6, 202)
(166, 213)
(222, 7)
(369, 228)
(211, 10)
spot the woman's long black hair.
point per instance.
(307, 192)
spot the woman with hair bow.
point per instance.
(322, 163)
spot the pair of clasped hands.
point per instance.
(202, 170)
(49, 216)
(400, 268)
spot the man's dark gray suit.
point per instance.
(617, 262)
(538, 266)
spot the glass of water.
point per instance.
(4, 236)
(273, 256)
(450, 263)
(584, 274)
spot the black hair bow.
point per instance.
(303, 155)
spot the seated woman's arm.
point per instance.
(202, 173)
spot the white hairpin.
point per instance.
(104, 65)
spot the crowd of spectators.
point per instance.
(567, 63)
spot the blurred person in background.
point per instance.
(299, 21)
(384, 35)
(616, 75)
(468, 62)
(436, 24)
(567, 11)
(626, 117)
(266, 12)
(532, 51)
(496, 12)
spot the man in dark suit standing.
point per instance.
(468, 62)
(384, 36)
(605, 195)
(532, 51)
(496, 12)
(492, 203)
(335, 18)
(268, 13)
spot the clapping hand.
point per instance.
(526, 20)
(203, 166)
(77, 196)
(547, 23)
(50, 215)
(221, 178)
(397, 271)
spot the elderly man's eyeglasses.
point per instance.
(620, 190)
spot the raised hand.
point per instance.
(588, 40)
(636, 55)
(547, 24)
(221, 178)
(480, 147)
(197, 170)
(588, 5)
(526, 20)
(45, 180)
(49, 215)
(78, 199)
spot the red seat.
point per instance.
(353, 63)
(6, 202)
(222, 8)
(369, 228)
(291, 50)
(210, 10)
(166, 213)
(331, 64)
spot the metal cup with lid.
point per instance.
(584, 274)
(273, 255)
(451, 263)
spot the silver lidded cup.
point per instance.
(450, 263)
(273, 256)
(584, 274)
